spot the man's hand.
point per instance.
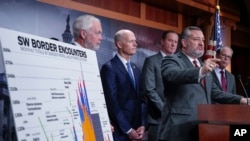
(141, 131)
(133, 135)
(209, 65)
(112, 128)
(245, 101)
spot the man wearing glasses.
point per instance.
(223, 78)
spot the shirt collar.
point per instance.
(123, 60)
(191, 59)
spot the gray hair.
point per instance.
(186, 32)
(225, 47)
(83, 22)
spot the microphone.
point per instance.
(244, 89)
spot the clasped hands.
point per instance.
(137, 135)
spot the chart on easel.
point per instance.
(55, 89)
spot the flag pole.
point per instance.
(214, 44)
(217, 10)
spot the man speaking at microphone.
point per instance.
(188, 82)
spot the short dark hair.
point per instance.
(186, 32)
(165, 33)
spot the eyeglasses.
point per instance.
(96, 33)
(226, 56)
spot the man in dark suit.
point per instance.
(188, 82)
(122, 90)
(153, 86)
(223, 78)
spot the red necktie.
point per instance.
(223, 81)
(202, 79)
(195, 63)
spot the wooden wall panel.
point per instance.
(240, 63)
(127, 7)
(161, 16)
(128, 13)
(241, 38)
(207, 2)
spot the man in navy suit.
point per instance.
(121, 85)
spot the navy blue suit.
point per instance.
(124, 102)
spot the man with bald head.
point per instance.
(121, 85)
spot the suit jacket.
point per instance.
(230, 80)
(124, 103)
(184, 93)
(153, 87)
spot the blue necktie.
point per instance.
(131, 74)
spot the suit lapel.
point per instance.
(120, 66)
(216, 79)
(228, 84)
(185, 59)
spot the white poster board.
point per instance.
(55, 89)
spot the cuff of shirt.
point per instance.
(129, 130)
(200, 75)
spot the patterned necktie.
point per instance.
(223, 81)
(131, 74)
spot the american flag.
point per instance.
(216, 40)
(217, 30)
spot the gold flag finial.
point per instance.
(217, 5)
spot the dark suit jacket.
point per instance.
(184, 93)
(153, 87)
(124, 103)
(230, 80)
(154, 90)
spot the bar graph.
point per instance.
(55, 89)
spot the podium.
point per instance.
(215, 120)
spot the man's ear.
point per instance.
(83, 33)
(184, 43)
(162, 42)
(119, 44)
